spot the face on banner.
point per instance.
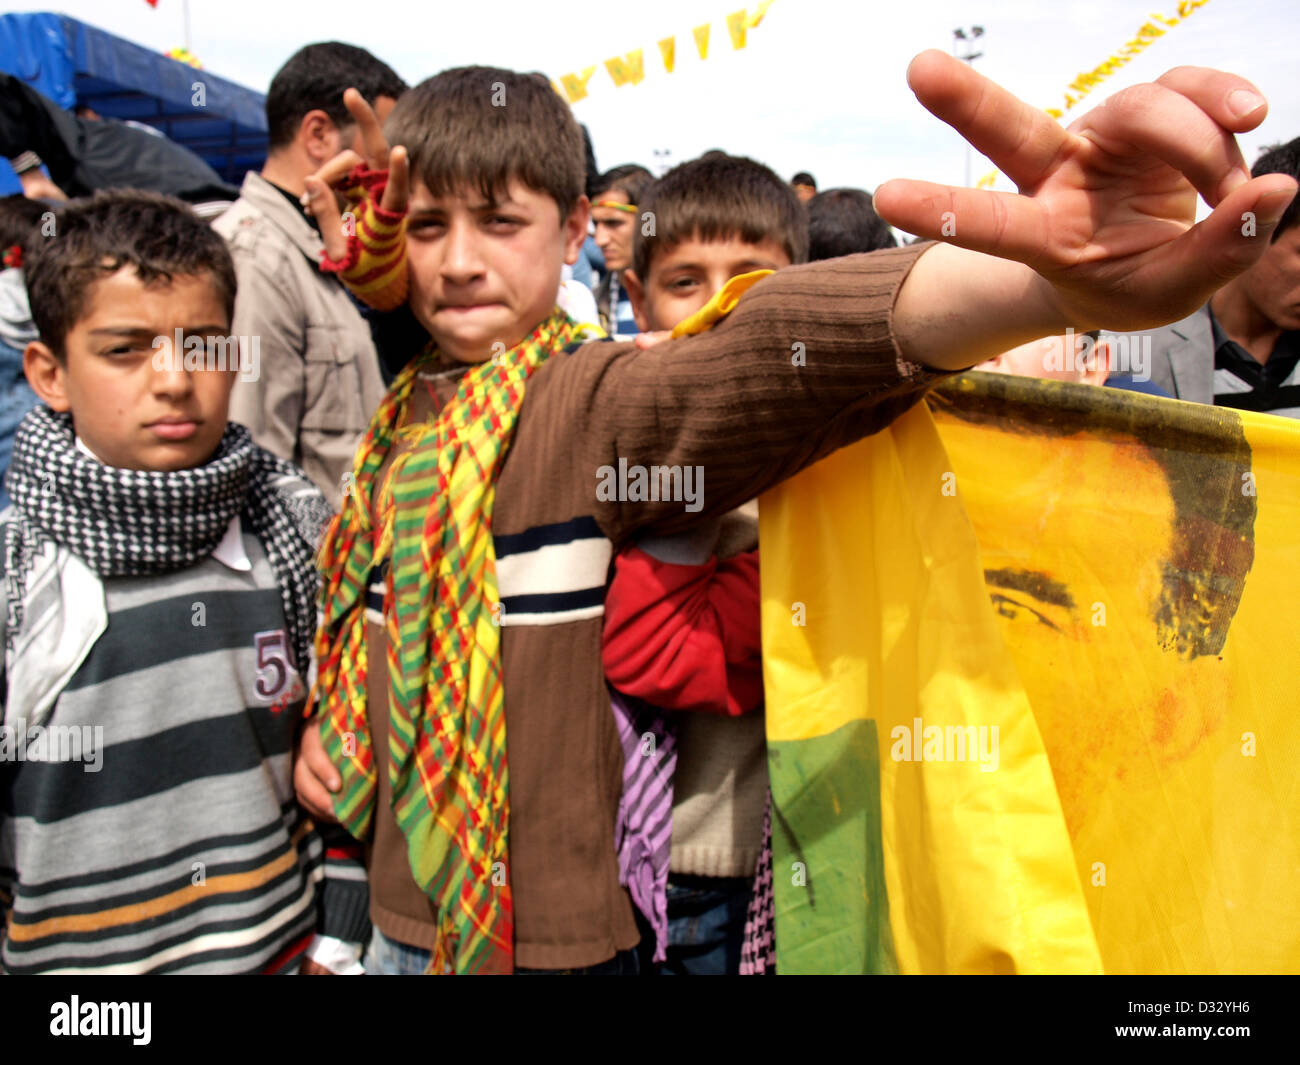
(1112, 594)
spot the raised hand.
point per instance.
(320, 198)
(1106, 210)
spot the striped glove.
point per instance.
(374, 266)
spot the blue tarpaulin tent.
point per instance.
(74, 63)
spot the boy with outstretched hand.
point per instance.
(464, 590)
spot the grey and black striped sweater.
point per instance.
(182, 849)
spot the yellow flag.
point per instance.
(1140, 555)
(702, 40)
(668, 49)
(627, 69)
(736, 23)
(880, 655)
(617, 70)
(757, 16)
(576, 85)
(1029, 694)
(636, 64)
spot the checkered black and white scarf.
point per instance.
(134, 523)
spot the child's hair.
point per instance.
(720, 197)
(161, 237)
(479, 128)
(804, 178)
(842, 222)
(631, 180)
(19, 218)
(314, 78)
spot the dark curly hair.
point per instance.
(158, 235)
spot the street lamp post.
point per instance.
(967, 36)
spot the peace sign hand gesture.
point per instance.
(382, 221)
(1106, 213)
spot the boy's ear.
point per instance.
(636, 293)
(46, 375)
(575, 230)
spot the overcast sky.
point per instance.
(820, 87)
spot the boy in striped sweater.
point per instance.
(159, 605)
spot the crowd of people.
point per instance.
(360, 535)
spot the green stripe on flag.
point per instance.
(828, 867)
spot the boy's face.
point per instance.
(486, 274)
(132, 403)
(614, 229)
(684, 277)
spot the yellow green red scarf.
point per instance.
(432, 517)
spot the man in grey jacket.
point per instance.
(316, 378)
(1242, 349)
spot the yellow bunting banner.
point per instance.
(702, 40)
(668, 49)
(1085, 82)
(736, 23)
(757, 16)
(575, 86)
(628, 68)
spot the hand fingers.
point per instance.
(312, 794)
(649, 340)
(314, 776)
(1022, 141)
(321, 203)
(397, 193)
(1231, 101)
(1226, 243)
(318, 761)
(998, 223)
(339, 167)
(1155, 120)
(372, 134)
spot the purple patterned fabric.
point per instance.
(643, 833)
(758, 951)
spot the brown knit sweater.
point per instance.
(731, 401)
